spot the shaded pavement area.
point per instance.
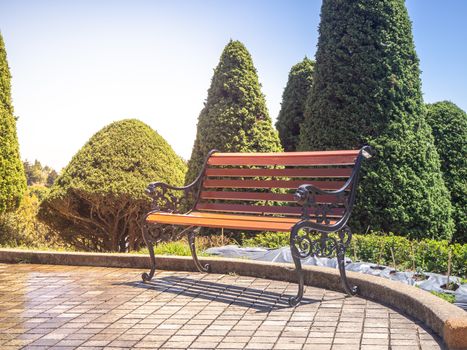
(71, 307)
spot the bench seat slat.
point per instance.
(215, 220)
(308, 172)
(260, 209)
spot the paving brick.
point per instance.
(67, 307)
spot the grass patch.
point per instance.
(448, 297)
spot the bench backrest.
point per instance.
(264, 183)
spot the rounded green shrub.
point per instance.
(293, 103)
(235, 117)
(449, 125)
(98, 202)
(367, 90)
(12, 178)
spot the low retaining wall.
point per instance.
(445, 319)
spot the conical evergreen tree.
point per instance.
(449, 125)
(293, 103)
(367, 90)
(12, 178)
(235, 117)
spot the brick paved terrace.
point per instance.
(68, 307)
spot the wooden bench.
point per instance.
(309, 194)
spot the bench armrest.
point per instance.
(165, 197)
(305, 194)
(168, 198)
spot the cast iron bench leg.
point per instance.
(293, 301)
(191, 239)
(147, 239)
(350, 290)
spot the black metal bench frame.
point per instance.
(330, 238)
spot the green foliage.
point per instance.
(177, 248)
(40, 191)
(36, 174)
(427, 254)
(5, 80)
(450, 298)
(367, 90)
(293, 103)
(12, 180)
(449, 125)
(235, 116)
(22, 228)
(268, 239)
(98, 202)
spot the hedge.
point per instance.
(427, 254)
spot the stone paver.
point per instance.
(68, 307)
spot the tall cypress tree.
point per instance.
(235, 117)
(293, 103)
(449, 125)
(12, 178)
(367, 90)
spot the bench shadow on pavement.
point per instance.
(258, 299)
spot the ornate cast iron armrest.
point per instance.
(168, 198)
(164, 197)
(305, 194)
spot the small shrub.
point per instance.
(182, 248)
(21, 228)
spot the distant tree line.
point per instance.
(36, 174)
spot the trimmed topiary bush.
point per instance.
(293, 103)
(449, 125)
(367, 90)
(235, 117)
(12, 178)
(98, 202)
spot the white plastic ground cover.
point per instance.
(433, 282)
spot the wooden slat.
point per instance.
(261, 196)
(308, 172)
(215, 220)
(288, 158)
(325, 185)
(353, 152)
(219, 223)
(260, 209)
(247, 196)
(243, 217)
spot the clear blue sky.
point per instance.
(79, 65)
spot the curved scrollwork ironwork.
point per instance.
(171, 199)
(309, 241)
